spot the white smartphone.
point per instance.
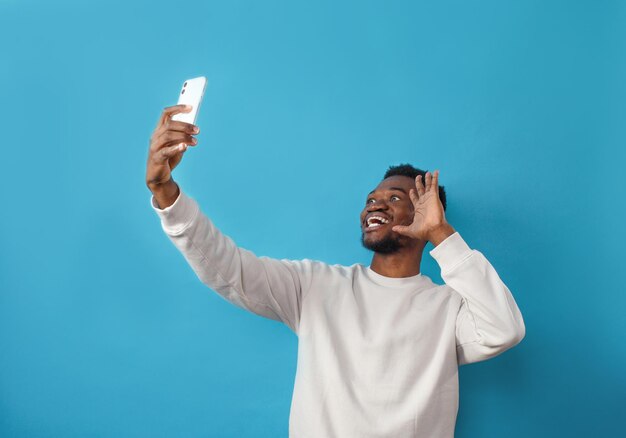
(191, 94)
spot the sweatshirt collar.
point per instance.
(392, 281)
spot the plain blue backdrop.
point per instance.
(104, 329)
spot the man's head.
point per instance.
(389, 204)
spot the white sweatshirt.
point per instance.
(377, 356)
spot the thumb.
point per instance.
(401, 229)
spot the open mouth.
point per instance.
(374, 222)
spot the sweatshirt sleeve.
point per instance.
(268, 287)
(488, 321)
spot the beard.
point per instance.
(387, 245)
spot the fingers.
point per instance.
(429, 178)
(169, 138)
(166, 153)
(419, 185)
(171, 110)
(170, 132)
(175, 125)
(432, 182)
(414, 198)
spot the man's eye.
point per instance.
(369, 201)
(395, 197)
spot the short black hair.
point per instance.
(412, 172)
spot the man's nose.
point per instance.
(378, 205)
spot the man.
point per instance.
(379, 346)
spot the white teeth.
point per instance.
(381, 219)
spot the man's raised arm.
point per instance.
(488, 320)
(268, 287)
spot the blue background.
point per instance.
(105, 330)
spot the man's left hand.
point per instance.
(429, 222)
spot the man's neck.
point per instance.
(402, 263)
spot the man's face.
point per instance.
(387, 205)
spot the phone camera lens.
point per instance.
(182, 92)
(185, 84)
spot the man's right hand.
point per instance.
(168, 143)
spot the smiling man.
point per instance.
(379, 346)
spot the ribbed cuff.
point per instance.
(451, 252)
(178, 216)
